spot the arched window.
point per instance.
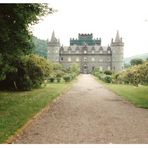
(77, 50)
(69, 59)
(93, 59)
(77, 59)
(69, 50)
(101, 50)
(93, 50)
(108, 50)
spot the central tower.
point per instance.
(85, 39)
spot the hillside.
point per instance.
(40, 47)
(141, 56)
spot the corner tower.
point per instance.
(53, 48)
(117, 53)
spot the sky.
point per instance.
(102, 18)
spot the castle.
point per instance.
(88, 53)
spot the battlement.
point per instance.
(85, 38)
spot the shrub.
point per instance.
(31, 72)
(135, 75)
(51, 79)
(75, 69)
(107, 79)
(67, 78)
(108, 72)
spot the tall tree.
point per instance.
(15, 37)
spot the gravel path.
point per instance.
(89, 113)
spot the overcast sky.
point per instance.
(100, 17)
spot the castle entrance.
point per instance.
(85, 69)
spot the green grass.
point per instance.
(16, 108)
(136, 95)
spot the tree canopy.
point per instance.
(136, 61)
(15, 37)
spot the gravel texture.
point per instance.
(89, 113)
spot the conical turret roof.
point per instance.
(53, 38)
(117, 39)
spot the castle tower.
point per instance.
(53, 48)
(117, 53)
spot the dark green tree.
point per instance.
(136, 61)
(15, 36)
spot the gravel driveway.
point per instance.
(89, 113)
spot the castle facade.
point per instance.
(88, 53)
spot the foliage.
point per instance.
(108, 72)
(104, 76)
(140, 56)
(136, 61)
(40, 47)
(15, 37)
(126, 65)
(67, 78)
(31, 72)
(75, 69)
(135, 75)
(108, 79)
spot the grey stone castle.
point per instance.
(88, 53)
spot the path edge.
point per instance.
(30, 121)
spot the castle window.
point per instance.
(69, 50)
(77, 51)
(61, 58)
(108, 67)
(69, 59)
(93, 50)
(93, 59)
(77, 59)
(85, 51)
(100, 51)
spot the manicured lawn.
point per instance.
(136, 95)
(16, 108)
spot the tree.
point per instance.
(15, 37)
(136, 61)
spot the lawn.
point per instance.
(136, 95)
(16, 108)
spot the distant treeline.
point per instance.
(40, 47)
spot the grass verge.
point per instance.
(16, 108)
(136, 95)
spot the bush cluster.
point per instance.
(135, 75)
(31, 71)
(105, 76)
(62, 74)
